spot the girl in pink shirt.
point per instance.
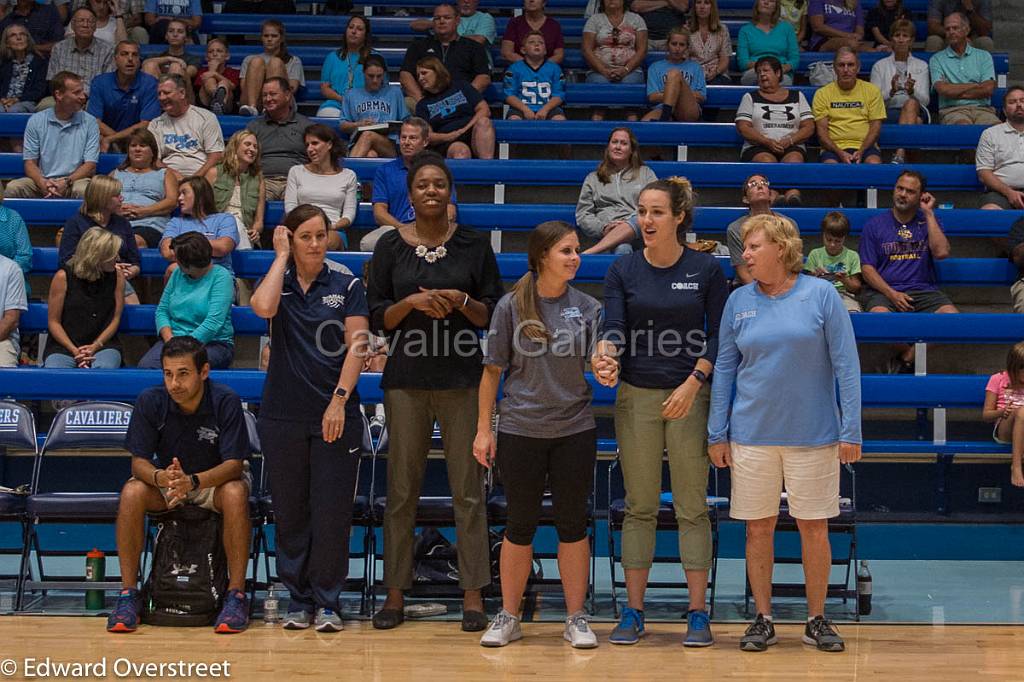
(1004, 405)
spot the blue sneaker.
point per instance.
(125, 616)
(630, 628)
(234, 615)
(698, 629)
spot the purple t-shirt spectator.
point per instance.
(899, 252)
(837, 16)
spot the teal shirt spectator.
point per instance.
(15, 242)
(343, 74)
(200, 308)
(973, 66)
(60, 147)
(780, 42)
(479, 24)
(779, 359)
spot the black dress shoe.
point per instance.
(386, 619)
(474, 621)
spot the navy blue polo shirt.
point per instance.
(307, 345)
(119, 108)
(215, 433)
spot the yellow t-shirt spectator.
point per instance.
(849, 112)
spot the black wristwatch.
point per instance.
(701, 376)
(195, 481)
(341, 393)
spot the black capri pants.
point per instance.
(565, 464)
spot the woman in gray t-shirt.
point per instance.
(540, 338)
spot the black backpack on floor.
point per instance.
(189, 578)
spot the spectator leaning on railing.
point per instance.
(123, 100)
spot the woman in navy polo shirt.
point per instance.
(432, 287)
(663, 307)
(310, 427)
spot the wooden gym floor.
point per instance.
(439, 650)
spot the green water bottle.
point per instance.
(95, 572)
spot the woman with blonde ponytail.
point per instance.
(663, 306)
(540, 337)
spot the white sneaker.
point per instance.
(578, 632)
(247, 110)
(327, 620)
(504, 629)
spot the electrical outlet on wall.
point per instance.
(990, 495)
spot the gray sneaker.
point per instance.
(328, 620)
(822, 634)
(578, 632)
(504, 629)
(296, 620)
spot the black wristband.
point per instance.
(701, 376)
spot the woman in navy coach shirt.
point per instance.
(663, 306)
(310, 426)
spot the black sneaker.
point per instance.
(822, 634)
(217, 101)
(759, 635)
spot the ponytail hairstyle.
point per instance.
(282, 50)
(524, 292)
(682, 200)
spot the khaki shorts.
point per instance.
(850, 302)
(275, 185)
(810, 476)
(968, 114)
(203, 497)
(1017, 293)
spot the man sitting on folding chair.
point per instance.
(194, 430)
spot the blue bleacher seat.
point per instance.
(708, 220)
(313, 56)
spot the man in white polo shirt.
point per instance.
(1000, 156)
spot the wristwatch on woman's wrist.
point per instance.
(700, 376)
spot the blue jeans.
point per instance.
(219, 355)
(634, 76)
(108, 358)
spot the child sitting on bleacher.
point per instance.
(835, 262)
(1004, 397)
(675, 85)
(535, 86)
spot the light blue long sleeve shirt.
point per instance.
(780, 42)
(200, 308)
(778, 363)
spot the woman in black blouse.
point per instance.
(432, 288)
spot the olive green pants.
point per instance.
(643, 437)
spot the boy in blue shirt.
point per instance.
(676, 85)
(376, 102)
(535, 86)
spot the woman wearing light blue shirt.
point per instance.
(784, 342)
